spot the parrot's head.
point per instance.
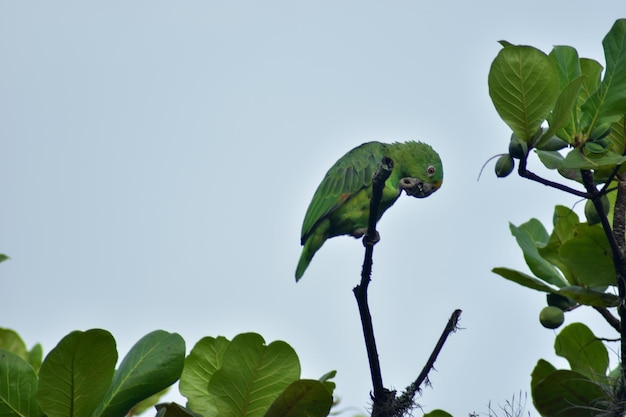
(421, 170)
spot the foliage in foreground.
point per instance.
(220, 377)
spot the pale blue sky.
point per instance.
(158, 158)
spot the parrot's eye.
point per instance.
(431, 170)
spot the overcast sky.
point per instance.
(157, 159)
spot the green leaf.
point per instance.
(529, 243)
(565, 393)
(541, 371)
(3, 257)
(523, 86)
(203, 360)
(438, 413)
(252, 375)
(523, 279)
(563, 112)
(588, 257)
(18, 388)
(76, 374)
(35, 357)
(550, 159)
(12, 342)
(608, 103)
(589, 297)
(584, 352)
(575, 159)
(565, 222)
(153, 364)
(567, 64)
(144, 405)
(591, 71)
(302, 398)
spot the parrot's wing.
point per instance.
(350, 174)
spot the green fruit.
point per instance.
(517, 147)
(592, 215)
(551, 317)
(504, 165)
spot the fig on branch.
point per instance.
(551, 317)
(517, 147)
(504, 165)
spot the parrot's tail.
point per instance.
(303, 263)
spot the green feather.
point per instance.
(340, 205)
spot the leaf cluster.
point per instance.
(78, 378)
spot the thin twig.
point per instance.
(405, 401)
(525, 173)
(613, 321)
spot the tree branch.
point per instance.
(525, 173)
(405, 401)
(381, 395)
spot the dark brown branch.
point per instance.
(613, 321)
(405, 401)
(360, 291)
(525, 173)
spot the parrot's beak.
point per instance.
(418, 188)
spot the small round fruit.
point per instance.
(504, 165)
(517, 148)
(551, 317)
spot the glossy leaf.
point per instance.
(550, 159)
(523, 279)
(252, 376)
(589, 297)
(438, 413)
(584, 352)
(529, 236)
(565, 393)
(154, 363)
(523, 86)
(302, 398)
(541, 371)
(563, 113)
(18, 388)
(203, 360)
(12, 342)
(588, 257)
(76, 374)
(608, 103)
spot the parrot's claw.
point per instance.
(371, 240)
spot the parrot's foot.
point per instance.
(371, 240)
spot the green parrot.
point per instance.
(340, 205)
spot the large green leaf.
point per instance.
(588, 257)
(565, 222)
(541, 371)
(583, 350)
(523, 279)
(76, 374)
(203, 360)
(576, 159)
(589, 297)
(565, 393)
(523, 86)
(153, 363)
(12, 342)
(18, 387)
(252, 376)
(567, 64)
(529, 237)
(608, 103)
(563, 114)
(302, 398)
